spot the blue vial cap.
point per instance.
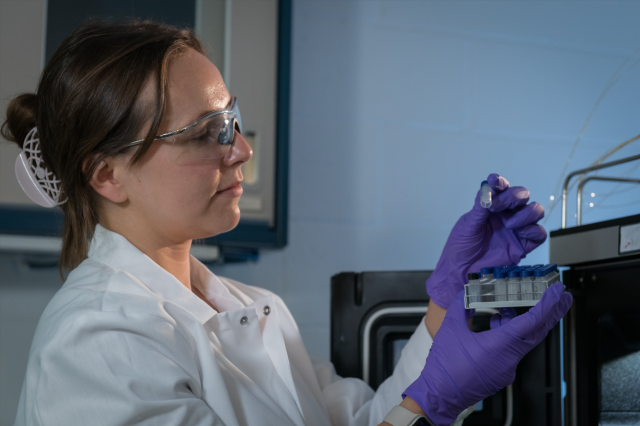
(484, 182)
(515, 273)
(526, 273)
(540, 272)
(485, 271)
(500, 275)
(546, 269)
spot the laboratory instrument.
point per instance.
(373, 316)
(602, 343)
(509, 286)
(485, 362)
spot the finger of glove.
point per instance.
(494, 322)
(531, 237)
(456, 310)
(528, 215)
(476, 219)
(566, 299)
(525, 325)
(516, 196)
(507, 314)
(502, 318)
(497, 183)
(560, 311)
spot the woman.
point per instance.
(142, 333)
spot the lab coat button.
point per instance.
(244, 320)
(266, 310)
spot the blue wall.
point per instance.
(401, 108)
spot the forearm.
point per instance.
(433, 319)
(435, 316)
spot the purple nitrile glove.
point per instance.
(464, 367)
(503, 234)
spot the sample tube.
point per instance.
(473, 288)
(486, 274)
(485, 194)
(513, 283)
(543, 277)
(486, 285)
(526, 284)
(500, 286)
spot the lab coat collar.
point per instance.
(118, 253)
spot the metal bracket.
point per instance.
(565, 187)
(584, 181)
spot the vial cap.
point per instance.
(526, 273)
(473, 276)
(515, 273)
(485, 271)
(500, 275)
(546, 269)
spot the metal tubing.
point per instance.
(565, 187)
(583, 182)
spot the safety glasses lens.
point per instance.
(207, 140)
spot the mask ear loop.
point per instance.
(36, 180)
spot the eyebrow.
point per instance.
(213, 110)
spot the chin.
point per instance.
(219, 225)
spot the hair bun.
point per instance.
(21, 118)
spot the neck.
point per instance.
(172, 256)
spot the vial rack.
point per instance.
(509, 286)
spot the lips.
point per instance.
(233, 189)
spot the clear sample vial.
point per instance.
(473, 289)
(485, 194)
(513, 283)
(526, 283)
(543, 278)
(486, 274)
(500, 285)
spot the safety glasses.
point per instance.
(210, 137)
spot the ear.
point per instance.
(106, 180)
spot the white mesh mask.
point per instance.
(36, 180)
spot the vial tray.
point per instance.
(512, 291)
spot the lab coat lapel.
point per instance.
(241, 342)
(267, 313)
(314, 408)
(298, 353)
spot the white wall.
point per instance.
(399, 110)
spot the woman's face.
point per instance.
(183, 202)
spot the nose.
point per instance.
(239, 153)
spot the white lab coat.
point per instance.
(124, 342)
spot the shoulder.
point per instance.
(95, 287)
(99, 302)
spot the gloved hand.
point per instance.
(464, 367)
(500, 235)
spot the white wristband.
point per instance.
(400, 416)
